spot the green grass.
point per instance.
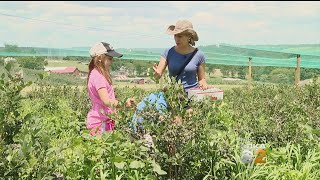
(148, 87)
(226, 86)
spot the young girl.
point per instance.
(100, 89)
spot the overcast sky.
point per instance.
(143, 24)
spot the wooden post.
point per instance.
(250, 74)
(297, 79)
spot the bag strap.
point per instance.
(187, 62)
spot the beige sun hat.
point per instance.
(181, 26)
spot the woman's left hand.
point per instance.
(203, 84)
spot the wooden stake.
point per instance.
(250, 74)
(297, 79)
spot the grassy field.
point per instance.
(83, 67)
(148, 87)
(157, 86)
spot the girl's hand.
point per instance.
(177, 120)
(130, 102)
(115, 104)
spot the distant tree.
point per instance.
(282, 75)
(139, 69)
(210, 69)
(225, 72)
(308, 73)
(32, 62)
(66, 58)
(233, 74)
(258, 72)
(11, 48)
(76, 58)
(116, 65)
(264, 78)
(242, 71)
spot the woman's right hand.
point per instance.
(157, 72)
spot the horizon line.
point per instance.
(234, 44)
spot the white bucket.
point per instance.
(199, 94)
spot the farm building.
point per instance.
(138, 81)
(120, 77)
(66, 70)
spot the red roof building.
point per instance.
(67, 70)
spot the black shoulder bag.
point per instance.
(185, 64)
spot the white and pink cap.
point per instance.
(104, 48)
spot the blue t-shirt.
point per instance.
(154, 99)
(188, 77)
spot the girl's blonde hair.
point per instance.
(99, 63)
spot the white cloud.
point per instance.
(183, 6)
(238, 7)
(69, 8)
(203, 18)
(271, 10)
(257, 25)
(144, 24)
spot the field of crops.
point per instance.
(43, 135)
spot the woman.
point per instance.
(185, 37)
(100, 89)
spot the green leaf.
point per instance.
(2, 113)
(102, 175)
(9, 158)
(3, 75)
(92, 171)
(119, 177)
(120, 165)
(40, 75)
(316, 132)
(118, 159)
(207, 177)
(144, 149)
(136, 164)
(8, 66)
(29, 83)
(157, 169)
(51, 150)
